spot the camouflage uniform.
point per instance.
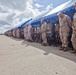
(29, 33)
(14, 33)
(26, 32)
(18, 33)
(64, 29)
(43, 31)
(73, 39)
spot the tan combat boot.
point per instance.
(65, 49)
(74, 52)
(45, 44)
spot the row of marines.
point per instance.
(49, 33)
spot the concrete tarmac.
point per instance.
(18, 57)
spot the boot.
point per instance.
(42, 44)
(61, 48)
(45, 44)
(74, 52)
(30, 40)
(65, 49)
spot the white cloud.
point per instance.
(14, 12)
(15, 4)
(49, 7)
(3, 23)
(38, 5)
(2, 10)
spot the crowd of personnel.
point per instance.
(63, 32)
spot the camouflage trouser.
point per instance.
(18, 35)
(73, 39)
(64, 38)
(26, 36)
(14, 35)
(29, 36)
(44, 38)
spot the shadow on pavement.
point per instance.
(53, 50)
(49, 49)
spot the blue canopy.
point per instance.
(53, 17)
(23, 24)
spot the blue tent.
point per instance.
(23, 24)
(58, 8)
(53, 17)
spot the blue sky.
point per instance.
(48, 2)
(15, 12)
